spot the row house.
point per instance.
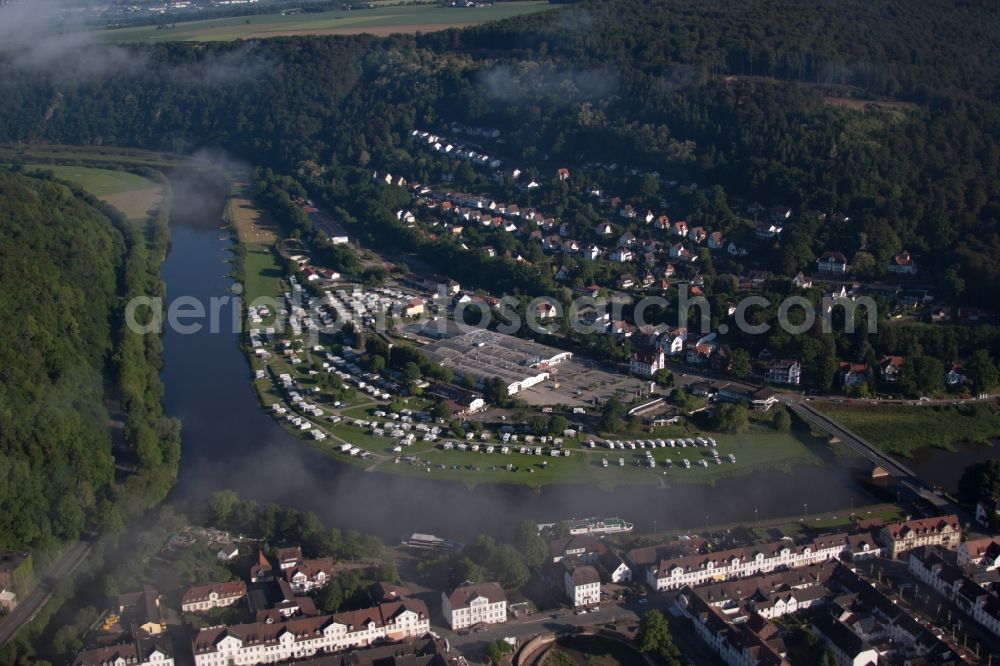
(770, 595)
(848, 648)
(213, 595)
(951, 582)
(139, 650)
(982, 553)
(469, 605)
(700, 568)
(943, 531)
(613, 566)
(751, 643)
(268, 643)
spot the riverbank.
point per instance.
(903, 430)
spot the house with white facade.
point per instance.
(584, 547)
(944, 531)
(214, 595)
(582, 583)
(139, 651)
(273, 642)
(613, 566)
(647, 362)
(469, 605)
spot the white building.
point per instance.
(213, 595)
(696, 569)
(647, 362)
(582, 583)
(268, 643)
(139, 652)
(470, 605)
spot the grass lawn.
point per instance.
(379, 21)
(262, 273)
(132, 194)
(904, 429)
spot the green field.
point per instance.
(904, 429)
(101, 182)
(381, 21)
(262, 272)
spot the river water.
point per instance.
(230, 442)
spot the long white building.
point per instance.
(268, 643)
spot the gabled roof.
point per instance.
(463, 596)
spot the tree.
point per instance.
(558, 424)
(497, 649)
(663, 377)
(495, 391)
(980, 481)
(613, 415)
(376, 363)
(441, 410)
(981, 371)
(530, 543)
(731, 418)
(411, 371)
(330, 597)
(782, 421)
(509, 567)
(741, 362)
(222, 504)
(654, 637)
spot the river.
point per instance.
(230, 442)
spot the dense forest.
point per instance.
(65, 357)
(742, 95)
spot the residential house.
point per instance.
(143, 611)
(228, 553)
(627, 239)
(563, 174)
(138, 650)
(847, 647)
(954, 376)
(613, 566)
(261, 571)
(583, 547)
(308, 575)
(469, 605)
(716, 241)
(853, 374)
(898, 538)
(987, 511)
(983, 553)
(903, 264)
(678, 251)
(698, 234)
(929, 565)
(800, 281)
(768, 230)
(414, 307)
(605, 229)
(782, 371)
(890, 367)
(213, 595)
(581, 582)
(681, 228)
(626, 281)
(621, 255)
(647, 362)
(832, 262)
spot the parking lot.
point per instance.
(582, 383)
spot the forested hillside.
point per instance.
(67, 265)
(59, 262)
(741, 95)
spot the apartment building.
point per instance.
(470, 605)
(581, 582)
(268, 643)
(898, 538)
(213, 595)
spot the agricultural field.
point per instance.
(378, 21)
(134, 195)
(901, 430)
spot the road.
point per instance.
(28, 608)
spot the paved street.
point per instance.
(28, 607)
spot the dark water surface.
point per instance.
(230, 442)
